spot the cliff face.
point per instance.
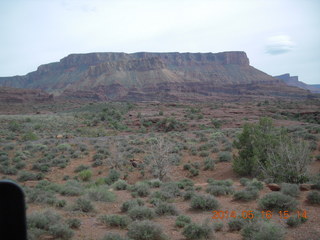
(294, 81)
(148, 75)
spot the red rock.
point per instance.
(274, 187)
(17, 95)
(305, 187)
(149, 76)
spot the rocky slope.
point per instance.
(294, 81)
(16, 95)
(145, 76)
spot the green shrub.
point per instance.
(246, 195)
(60, 203)
(194, 172)
(182, 221)
(204, 202)
(155, 183)
(194, 231)
(262, 230)
(313, 197)
(101, 194)
(64, 147)
(255, 184)
(218, 190)
(43, 220)
(251, 144)
(113, 176)
(8, 170)
(83, 205)
(184, 183)
(188, 194)
(81, 168)
(61, 231)
(227, 182)
(271, 153)
(295, 221)
(155, 201)
(166, 209)
(278, 201)
(141, 190)
(14, 126)
(120, 185)
(126, 206)
(217, 226)
(141, 213)
(171, 189)
(204, 154)
(85, 175)
(29, 136)
(114, 236)
(187, 166)
(224, 156)
(236, 224)
(46, 223)
(29, 176)
(244, 181)
(71, 188)
(208, 164)
(290, 189)
(145, 230)
(97, 163)
(196, 165)
(73, 223)
(45, 185)
(170, 124)
(115, 220)
(36, 195)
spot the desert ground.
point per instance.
(82, 160)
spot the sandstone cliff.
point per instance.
(294, 81)
(146, 75)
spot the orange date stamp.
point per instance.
(254, 214)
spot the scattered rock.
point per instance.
(59, 136)
(305, 187)
(273, 187)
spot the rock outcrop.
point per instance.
(15, 95)
(294, 81)
(151, 76)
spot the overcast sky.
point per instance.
(279, 36)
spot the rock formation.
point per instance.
(151, 76)
(294, 81)
(15, 95)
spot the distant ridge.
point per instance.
(294, 81)
(148, 75)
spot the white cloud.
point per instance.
(279, 44)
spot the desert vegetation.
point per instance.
(112, 171)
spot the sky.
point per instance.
(279, 36)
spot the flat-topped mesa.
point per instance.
(238, 58)
(145, 64)
(89, 59)
(149, 75)
(183, 59)
(169, 58)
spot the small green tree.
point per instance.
(267, 152)
(253, 144)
